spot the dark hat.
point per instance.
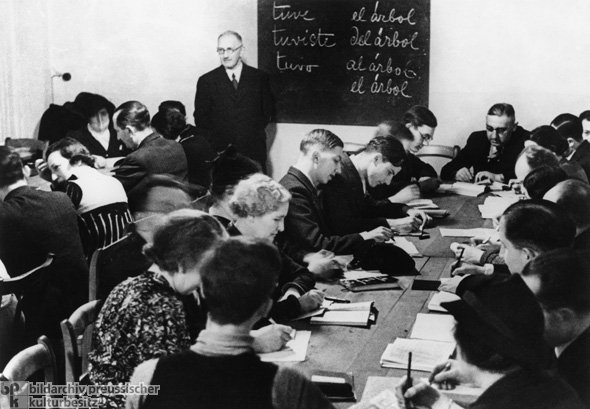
(87, 105)
(505, 316)
(229, 168)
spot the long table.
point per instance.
(358, 350)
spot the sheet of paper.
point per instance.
(355, 318)
(294, 351)
(422, 204)
(440, 297)
(425, 354)
(509, 194)
(406, 246)
(434, 327)
(494, 207)
(351, 306)
(358, 274)
(477, 232)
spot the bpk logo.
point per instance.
(14, 395)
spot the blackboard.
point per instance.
(349, 62)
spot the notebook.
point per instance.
(347, 314)
(382, 282)
(426, 354)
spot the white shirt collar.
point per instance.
(237, 70)
(103, 138)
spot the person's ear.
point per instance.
(571, 142)
(529, 253)
(377, 159)
(514, 126)
(27, 171)
(130, 129)
(315, 157)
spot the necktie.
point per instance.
(234, 81)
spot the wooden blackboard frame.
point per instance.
(346, 62)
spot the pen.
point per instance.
(457, 263)
(335, 299)
(486, 240)
(408, 383)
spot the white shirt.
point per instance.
(237, 70)
(103, 138)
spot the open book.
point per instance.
(463, 189)
(349, 314)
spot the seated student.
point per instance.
(491, 153)
(574, 197)
(533, 157)
(416, 176)
(34, 223)
(259, 205)
(572, 128)
(152, 154)
(550, 138)
(585, 118)
(540, 180)
(170, 122)
(144, 316)
(306, 226)
(527, 228)
(348, 208)
(227, 170)
(100, 199)
(500, 349)
(560, 281)
(98, 135)
(221, 369)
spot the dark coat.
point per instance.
(412, 170)
(582, 240)
(305, 225)
(34, 223)
(154, 156)
(116, 147)
(574, 366)
(234, 116)
(198, 155)
(476, 151)
(582, 156)
(349, 210)
(528, 390)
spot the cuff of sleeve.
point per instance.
(488, 269)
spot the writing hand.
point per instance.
(464, 175)
(446, 375)
(470, 254)
(379, 234)
(426, 220)
(407, 194)
(271, 338)
(485, 176)
(405, 224)
(311, 300)
(450, 284)
(420, 395)
(468, 269)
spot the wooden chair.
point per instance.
(77, 337)
(113, 264)
(28, 149)
(441, 151)
(29, 361)
(353, 148)
(19, 286)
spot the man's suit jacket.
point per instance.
(582, 156)
(349, 210)
(34, 223)
(234, 116)
(476, 151)
(306, 227)
(574, 366)
(154, 156)
(412, 168)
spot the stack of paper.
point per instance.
(425, 354)
(494, 207)
(477, 232)
(440, 297)
(349, 314)
(422, 204)
(464, 189)
(434, 327)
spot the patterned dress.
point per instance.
(143, 318)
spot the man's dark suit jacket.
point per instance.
(154, 156)
(234, 116)
(574, 366)
(476, 151)
(347, 208)
(34, 223)
(582, 156)
(116, 147)
(412, 168)
(306, 227)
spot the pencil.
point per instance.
(460, 257)
(408, 384)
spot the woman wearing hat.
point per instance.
(500, 349)
(98, 136)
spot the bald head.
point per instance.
(573, 196)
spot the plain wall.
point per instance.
(532, 54)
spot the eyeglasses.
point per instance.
(228, 50)
(425, 137)
(499, 131)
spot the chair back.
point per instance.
(28, 149)
(438, 155)
(77, 337)
(22, 366)
(352, 148)
(19, 286)
(113, 264)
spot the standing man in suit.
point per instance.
(153, 155)
(491, 153)
(561, 283)
(233, 102)
(34, 223)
